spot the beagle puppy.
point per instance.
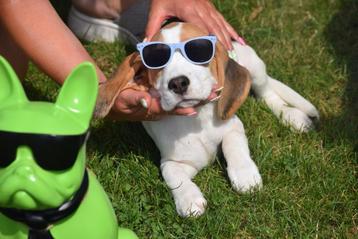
(188, 144)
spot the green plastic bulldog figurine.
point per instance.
(45, 190)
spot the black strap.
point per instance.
(39, 221)
(45, 234)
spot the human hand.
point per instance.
(134, 105)
(199, 12)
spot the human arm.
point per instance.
(37, 29)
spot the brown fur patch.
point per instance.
(129, 70)
(218, 64)
(236, 88)
(190, 31)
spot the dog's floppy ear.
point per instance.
(131, 68)
(236, 82)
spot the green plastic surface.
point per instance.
(25, 185)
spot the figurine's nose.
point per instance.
(25, 171)
(24, 162)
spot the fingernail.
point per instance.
(241, 41)
(219, 89)
(215, 99)
(144, 103)
(145, 39)
(192, 113)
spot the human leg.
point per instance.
(109, 20)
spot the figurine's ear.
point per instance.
(79, 92)
(11, 91)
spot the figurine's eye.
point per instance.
(8, 148)
(7, 153)
(51, 152)
(58, 152)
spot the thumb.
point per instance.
(150, 103)
(142, 99)
(153, 26)
(132, 98)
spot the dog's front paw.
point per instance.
(245, 179)
(190, 203)
(297, 119)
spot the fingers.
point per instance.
(201, 13)
(221, 32)
(230, 30)
(222, 29)
(153, 26)
(143, 107)
(207, 17)
(218, 25)
(157, 14)
(128, 106)
(216, 29)
(135, 105)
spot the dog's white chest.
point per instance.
(181, 138)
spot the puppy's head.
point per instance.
(180, 83)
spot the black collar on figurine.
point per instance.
(40, 221)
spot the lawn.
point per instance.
(310, 180)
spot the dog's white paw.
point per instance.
(190, 204)
(297, 119)
(245, 179)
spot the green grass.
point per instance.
(310, 180)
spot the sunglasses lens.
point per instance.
(156, 55)
(50, 152)
(57, 152)
(199, 50)
(8, 148)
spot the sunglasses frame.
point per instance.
(32, 139)
(174, 46)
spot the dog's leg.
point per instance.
(188, 198)
(285, 103)
(242, 170)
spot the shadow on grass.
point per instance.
(122, 139)
(342, 34)
(34, 94)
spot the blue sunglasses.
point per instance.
(156, 55)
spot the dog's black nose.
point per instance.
(179, 84)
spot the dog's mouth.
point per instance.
(195, 96)
(189, 102)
